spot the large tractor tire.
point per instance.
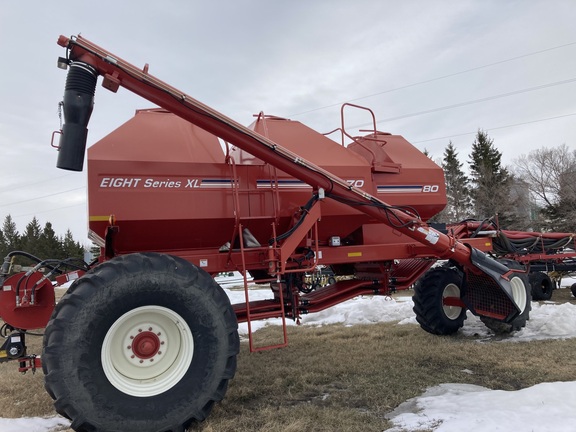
(542, 286)
(522, 293)
(143, 342)
(430, 301)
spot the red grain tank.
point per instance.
(169, 185)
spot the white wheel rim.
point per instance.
(147, 351)
(518, 292)
(451, 312)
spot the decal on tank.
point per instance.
(178, 183)
(396, 189)
(282, 184)
(216, 183)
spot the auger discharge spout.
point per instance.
(77, 106)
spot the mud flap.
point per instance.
(490, 292)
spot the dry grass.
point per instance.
(336, 378)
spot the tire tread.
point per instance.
(79, 295)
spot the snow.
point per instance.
(373, 310)
(33, 424)
(465, 407)
(547, 320)
(449, 407)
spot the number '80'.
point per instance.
(430, 188)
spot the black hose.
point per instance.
(305, 209)
(54, 265)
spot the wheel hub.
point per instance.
(145, 345)
(452, 310)
(147, 351)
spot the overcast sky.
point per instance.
(432, 71)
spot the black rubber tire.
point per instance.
(73, 340)
(520, 321)
(573, 289)
(430, 311)
(542, 286)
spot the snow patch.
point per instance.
(464, 407)
(33, 424)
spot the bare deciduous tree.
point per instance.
(550, 174)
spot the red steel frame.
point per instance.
(428, 242)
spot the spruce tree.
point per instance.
(31, 237)
(40, 242)
(490, 181)
(3, 246)
(72, 248)
(11, 235)
(49, 244)
(457, 187)
(562, 213)
(94, 251)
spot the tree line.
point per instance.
(538, 192)
(41, 242)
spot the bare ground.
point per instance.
(336, 378)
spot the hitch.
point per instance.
(14, 349)
(30, 362)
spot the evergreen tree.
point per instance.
(562, 213)
(3, 246)
(42, 243)
(95, 250)
(31, 237)
(72, 248)
(490, 181)
(457, 187)
(49, 245)
(10, 234)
